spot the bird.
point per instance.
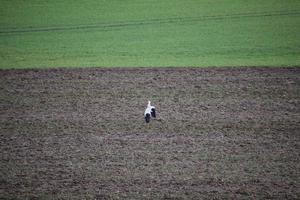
(149, 112)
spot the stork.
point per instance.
(149, 112)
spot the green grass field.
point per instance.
(73, 33)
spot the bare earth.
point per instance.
(80, 134)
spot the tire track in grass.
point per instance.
(120, 24)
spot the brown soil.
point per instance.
(80, 134)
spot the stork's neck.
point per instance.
(149, 102)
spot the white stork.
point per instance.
(149, 112)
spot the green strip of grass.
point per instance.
(149, 33)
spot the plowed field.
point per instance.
(80, 133)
